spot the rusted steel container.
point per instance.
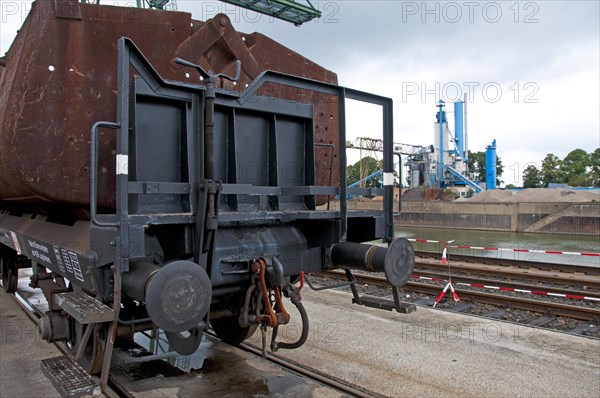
(59, 78)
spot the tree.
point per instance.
(532, 177)
(476, 164)
(370, 165)
(575, 166)
(595, 166)
(551, 170)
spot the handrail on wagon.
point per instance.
(94, 173)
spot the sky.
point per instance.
(531, 69)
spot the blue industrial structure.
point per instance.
(490, 165)
(446, 166)
(459, 131)
(463, 180)
(441, 119)
(376, 174)
(440, 165)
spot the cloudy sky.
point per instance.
(531, 68)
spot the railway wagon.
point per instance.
(159, 171)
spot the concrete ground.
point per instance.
(431, 353)
(21, 350)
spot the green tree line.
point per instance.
(577, 169)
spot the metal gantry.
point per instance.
(170, 5)
(375, 145)
(286, 10)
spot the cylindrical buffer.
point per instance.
(397, 260)
(177, 295)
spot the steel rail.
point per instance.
(577, 312)
(310, 373)
(510, 284)
(554, 276)
(571, 311)
(566, 268)
(302, 371)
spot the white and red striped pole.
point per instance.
(449, 284)
(441, 295)
(454, 295)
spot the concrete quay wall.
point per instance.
(551, 217)
(557, 218)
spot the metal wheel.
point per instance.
(9, 270)
(93, 353)
(229, 330)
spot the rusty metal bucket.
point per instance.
(59, 78)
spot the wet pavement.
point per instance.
(215, 370)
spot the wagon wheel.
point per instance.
(93, 353)
(9, 270)
(229, 330)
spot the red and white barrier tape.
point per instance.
(505, 249)
(506, 289)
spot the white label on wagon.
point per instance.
(388, 179)
(122, 164)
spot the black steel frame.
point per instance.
(132, 224)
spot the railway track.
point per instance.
(571, 275)
(529, 265)
(438, 275)
(571, 311)
(570, 283)
(303, 371)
